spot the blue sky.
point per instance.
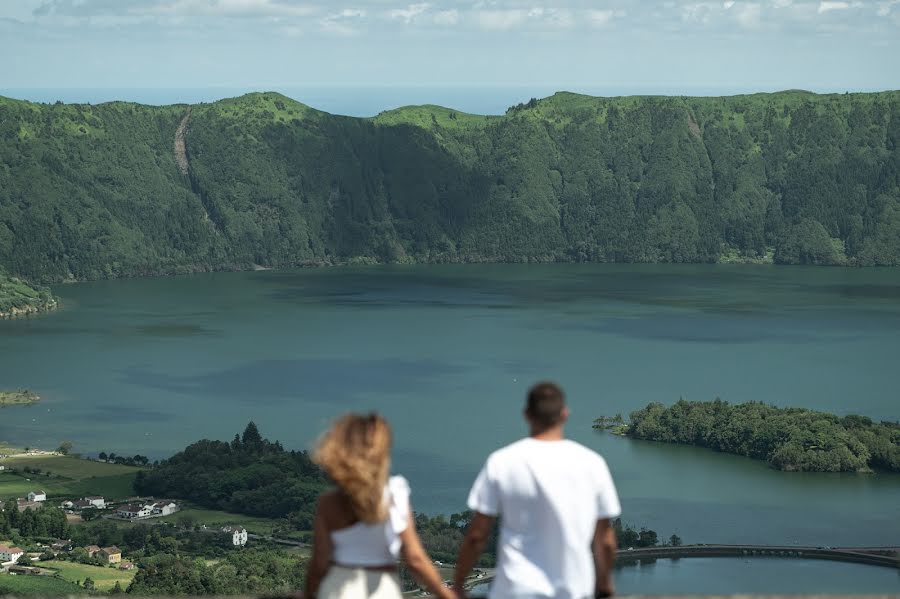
(617, 45)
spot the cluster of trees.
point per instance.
(250, 475)
(112, 458)
(248, 572)
(787, 438)
(44, 523)
(442, 537)
(92, 192)
(143, 540)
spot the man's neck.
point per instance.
(554, 433)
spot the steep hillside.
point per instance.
(121, 189)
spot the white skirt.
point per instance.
(359, 583)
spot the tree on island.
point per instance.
(102, 456)
(65, 447)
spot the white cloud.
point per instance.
(600, 17)
(408, 14)
(447, 17)
(727, 4)
(500, 19)
(749, 15)
(228, 8)
(782, 3)
(342, 22)
(698, 12)
(830, 5)
(884, 10)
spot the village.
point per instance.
(15, 560)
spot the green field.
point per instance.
(68, 477)
(41, 586)
(104, 578)
(217, 519)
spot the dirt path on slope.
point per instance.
(180, 150)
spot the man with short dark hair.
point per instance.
(555, 499)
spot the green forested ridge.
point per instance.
(787, 438)
(96, 191)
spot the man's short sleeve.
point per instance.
(484, 496)
(607, 498)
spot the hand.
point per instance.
(604, 591)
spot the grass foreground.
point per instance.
(38, 586)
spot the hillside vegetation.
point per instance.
(787, 438)
(796, 178)
(19, 298)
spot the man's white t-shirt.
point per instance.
(549, 496)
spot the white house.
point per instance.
(37, 496)
(238, 535)
(134, 510)
(97, 502)
(2, 467)
(164, 508)
(10, 554)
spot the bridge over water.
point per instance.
(873, 556)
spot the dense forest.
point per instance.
(787, 438)
(120, 189)
(250, 475)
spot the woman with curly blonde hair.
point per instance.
(363, 526)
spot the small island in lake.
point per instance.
(18, 298)
(20, 397)
(793, 439)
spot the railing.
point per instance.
(873, 556)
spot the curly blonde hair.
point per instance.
(356, 454)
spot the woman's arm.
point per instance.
(320, 560)
(419, 563)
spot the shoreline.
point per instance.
(29, 310)
(19, 397)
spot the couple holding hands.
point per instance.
(554, 497)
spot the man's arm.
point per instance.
(604, 549)
(472, 545)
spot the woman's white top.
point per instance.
(375, 544)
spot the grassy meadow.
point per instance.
(66, 476)
(217, 519)
(104, 578)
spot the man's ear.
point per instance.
(564, 415)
